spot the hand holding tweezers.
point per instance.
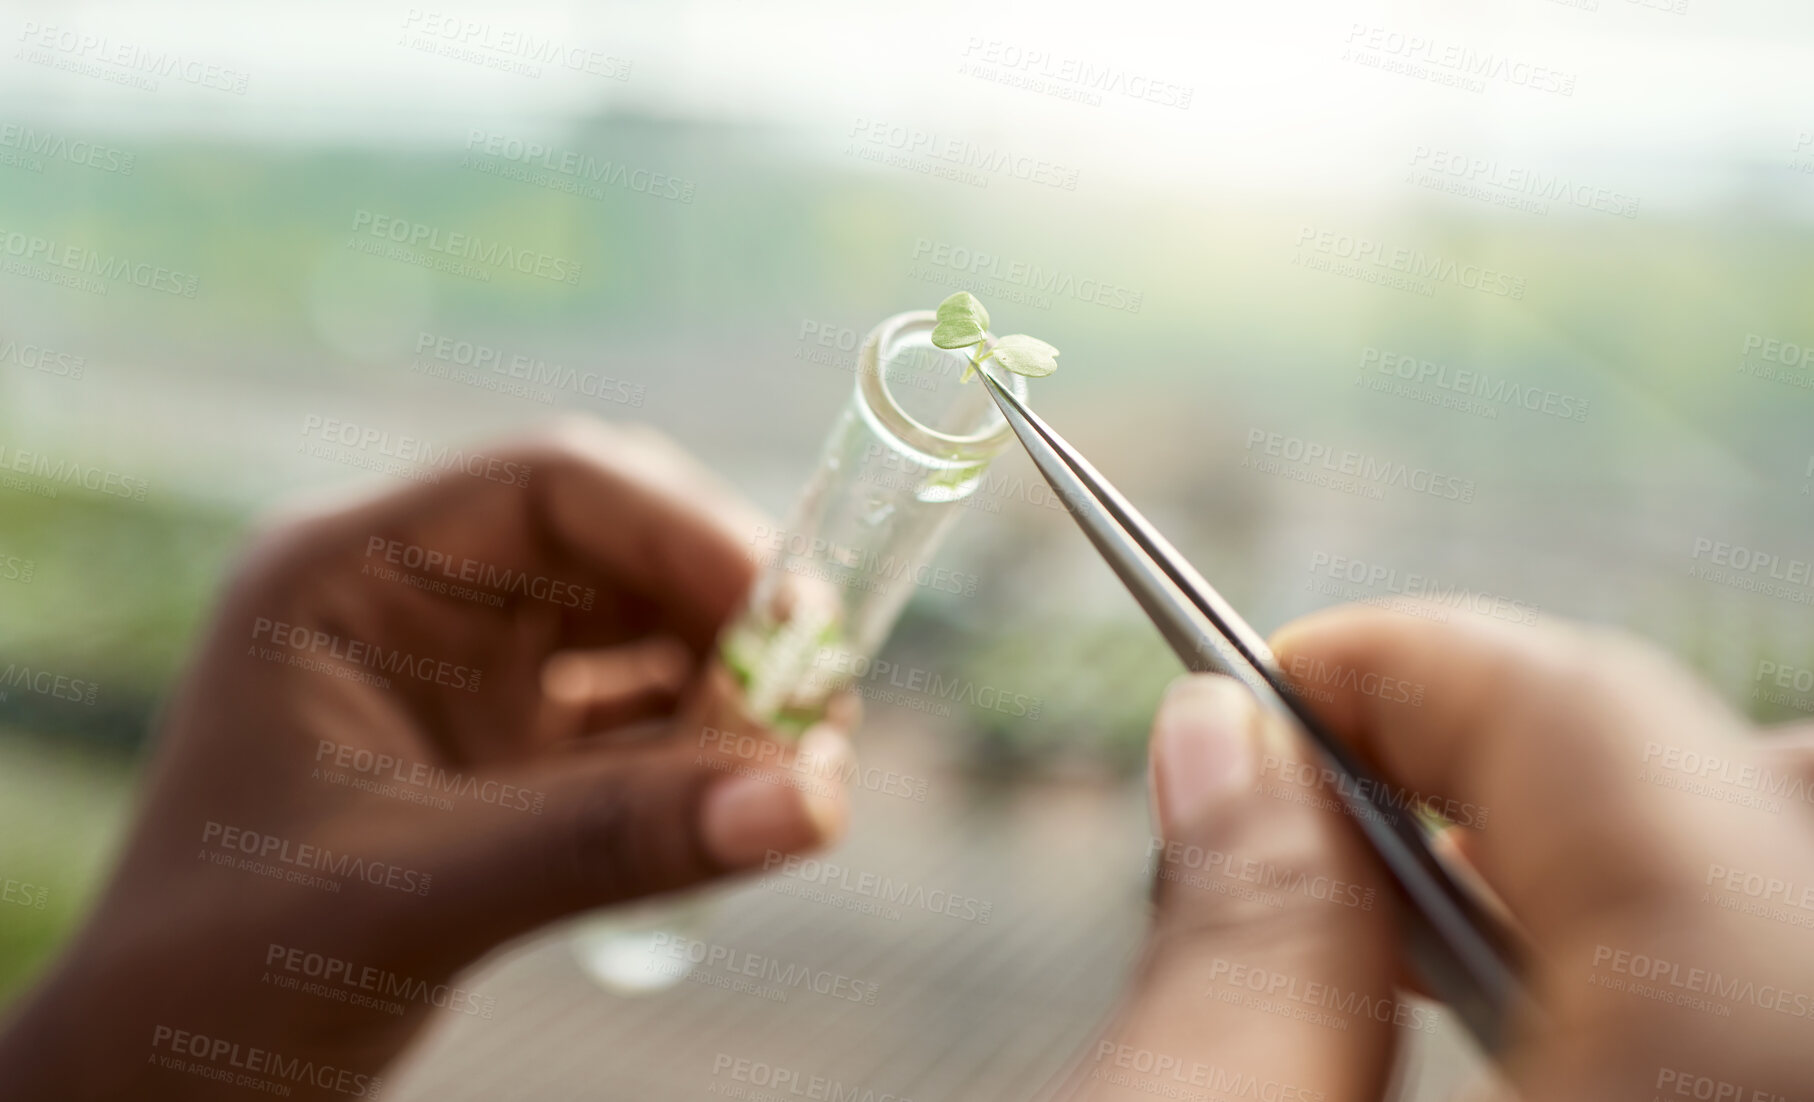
(1464, 955)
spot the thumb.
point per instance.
(611, 824)
(1271, 961)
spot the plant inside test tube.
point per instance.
(762, 660)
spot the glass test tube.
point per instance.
(899, 462)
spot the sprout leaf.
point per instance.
(961, 321)
(1026, 355)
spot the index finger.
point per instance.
(1547, 731)
(583, 517)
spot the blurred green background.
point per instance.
(711, 310)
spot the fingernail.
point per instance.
(1203, 745)
(744, 819)
(566, 679)
(824, 754)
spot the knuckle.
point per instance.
(574, 437)
(560, 448)
(1260, 866)
(280, 555)
(599, 857)
(619, 846)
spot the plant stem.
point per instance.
(976, 362)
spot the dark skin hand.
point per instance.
(1568, 755)
(579, 742)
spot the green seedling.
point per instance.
(963, 323)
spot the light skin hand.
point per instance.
(591, 740)
(1567, 747)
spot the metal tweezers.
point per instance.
(1463, 953)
